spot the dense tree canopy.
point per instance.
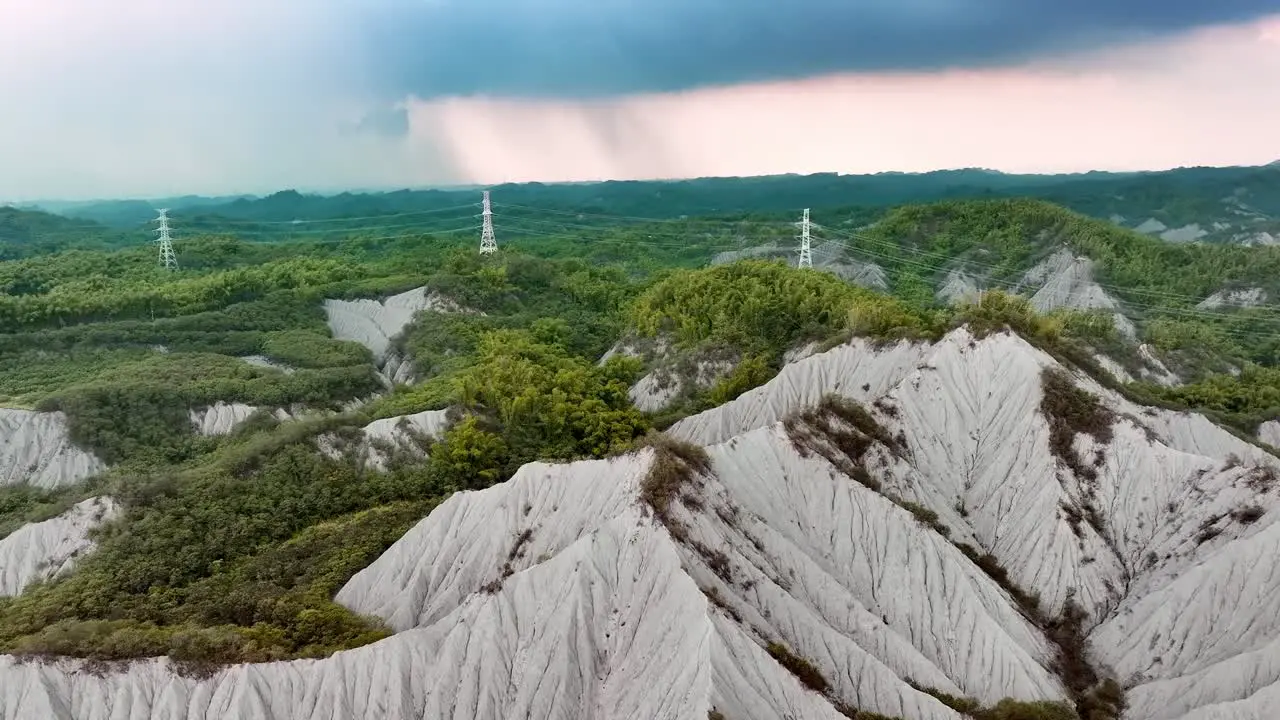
(231, 548)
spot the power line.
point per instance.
(168, 260)
(852, 236)
(488, 245)
(215, 225)
(806, 252)
(632, 218)
(386, 216)
(676, 242)
(679, 231)
(363, 238)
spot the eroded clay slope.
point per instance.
(609, 625)
(468, 540)
(1269, 433)
(790, 549)
(1206, 642)
(375, 445)
(36, 449)
(858, 370)
(375, 324)
(221, 418)
(1159, 526)
(42, 550)
(862, 539)
(1064, 280)
(561, 594)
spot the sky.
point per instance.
(146, 98)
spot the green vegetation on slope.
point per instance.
(235, 559)
(1158, 283)
(769, 307)
(750, 313)
(1176, 197)
(231, 548)
(26, 233)
(998, 239)
(1244, 401)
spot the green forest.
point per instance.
(1174, 197)
(231, 548)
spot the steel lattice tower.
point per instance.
(806, 255)
(168, 260)
(488, 245)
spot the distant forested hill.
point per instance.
(24, 233)
(1240, 204)
(127, 214)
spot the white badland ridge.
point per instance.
(1174, 508)
(1064, 280)
(1244, 298)
(1269, 433)
(221, 418)
(39, 551)
(558, 595)
(672, 372)
(378, 441)
(960, 287)
(36, 449)
(375, 324)
(829, 257)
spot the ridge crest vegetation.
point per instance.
(230, 549)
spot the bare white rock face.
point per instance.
(865, 274)
(1115, 369)
(375, 324)
(658, 389)
(1064, 280)
(672, 371)
(220, 418)
(1245, 298)
(560, 595)
(1269, 433)
(1156, 371)
(35, 449)
(1259, 239)
(39, 551)
(959, 287)
(267, 363)
(1175, 497)
(857, 370)
(381, 438)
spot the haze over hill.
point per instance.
(1234, 205)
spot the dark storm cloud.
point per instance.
(585, 48)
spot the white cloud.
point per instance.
(154, 97)
(1210, 97)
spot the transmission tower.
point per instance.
(488, 245)
(168, 260)
(806, 255)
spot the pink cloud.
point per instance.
(1206, 98)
